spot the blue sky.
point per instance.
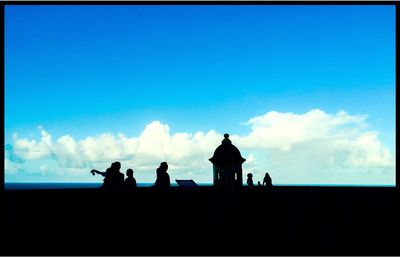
(86, 70)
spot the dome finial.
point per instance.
(226, 135)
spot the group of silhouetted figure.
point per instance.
(267, 181)
(114, 179)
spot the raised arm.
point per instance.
(98, 172)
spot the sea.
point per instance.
(26, 186)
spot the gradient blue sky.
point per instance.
(85, 70)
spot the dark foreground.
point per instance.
(285, 221)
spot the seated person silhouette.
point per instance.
(113, 179)
(162, 181)
(130, 181)
(250, 180)
(267, 180)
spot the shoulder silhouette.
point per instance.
(163, 180)
(267, 180)
(130, 181)
(250, 180)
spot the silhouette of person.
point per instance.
(113, 179)
(267, 180)
(130, 181)
(259, 184)
(162, 180)
(250, 180)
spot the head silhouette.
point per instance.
(164, 166)
(250, 175)
(129, 172)
(116, 165)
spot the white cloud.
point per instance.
(282, 130)
(30, 149)
(288, 143)
(319, 139)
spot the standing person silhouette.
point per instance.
(113, 178)
(130, 181)
(162, 180)
(250, 180)
(267, 180)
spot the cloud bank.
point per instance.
(314, 146)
